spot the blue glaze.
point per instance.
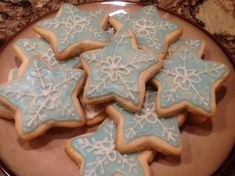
(186, 77)
(36, 46)
(115, 69)
(100, 156)
(149, 27)
(195, 45)
(73, 26)
(41, 95)
(146, 123)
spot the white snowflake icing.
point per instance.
(116, 69)
(148, 122)
(42, 48)
(43, 96)
(105, 154)
(73, 22)
(187, 75)
(193, 44)
(148, 27)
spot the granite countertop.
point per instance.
(215, 16)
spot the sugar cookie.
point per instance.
(153, 33)
(73, 31)
(43, 97)
(144, 129)
(198, 46)
(27, 48)
(119, 72)
(96, 154)
(187, 82)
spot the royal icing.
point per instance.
(146, 123)
(41, 94)
(92, 111)
(100, 156)
(73, 26)
(116, 69)
(195, 45)
(185, 77)
(37, 46)
(149, 27)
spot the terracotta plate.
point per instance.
(205, 147)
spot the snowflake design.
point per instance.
(115, 69)
(31, 47)
(187, 77)
(100, 155)
(40, 97)
(193, 44)
(74, 25)
(150, 29)
(146, 122)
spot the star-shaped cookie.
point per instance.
(188, 82)
(152, 32)
(119, 71)
(144, 129)
(96, 154)
(27, 48)
(94, 113)
(73, 31)
(44, 97)
(196, 45)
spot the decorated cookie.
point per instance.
(26, 48)
(187, 82)
(152, 32)
(198, 46)
(94, 113)
(44, 97)
(73, 31)
(119, 72)
(144, 129)
(96, 154)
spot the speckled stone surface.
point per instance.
(215, 16)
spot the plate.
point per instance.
(205, 146)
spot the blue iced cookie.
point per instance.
(94, 113)
(96, 154)
(29, 47)
(153, 33)
(43, 97)
(119, 72)
(145, 129)
(196, 45)
(73, 31)
(187, 82)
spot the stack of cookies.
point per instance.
(141, 82)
